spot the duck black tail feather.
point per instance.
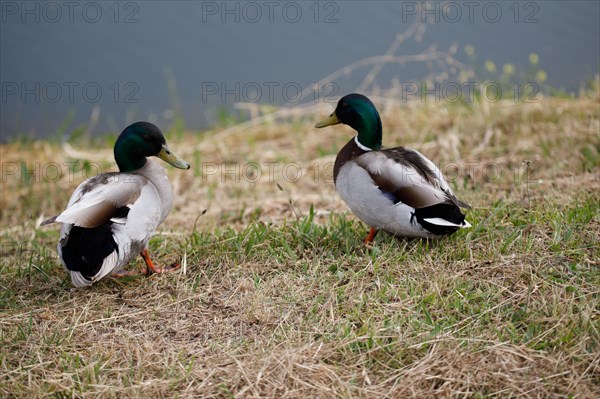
(447, 212)
(86, 248)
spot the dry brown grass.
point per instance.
(271, 309)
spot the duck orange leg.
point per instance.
(371, 236)
(151, 265)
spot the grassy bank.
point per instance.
(278, 298)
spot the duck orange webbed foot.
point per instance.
(368, 241)
(151, 267)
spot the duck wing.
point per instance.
(100, 199)
(409, 177)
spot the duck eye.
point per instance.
(344, 105)
(146, 137)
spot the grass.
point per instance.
(278, 298)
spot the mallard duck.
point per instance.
(397, 190)
(110, 217)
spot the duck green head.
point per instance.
(358, 112)
(141, 140)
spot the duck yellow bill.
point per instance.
(167, 155)
(331, 120)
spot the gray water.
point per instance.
(151, 60)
